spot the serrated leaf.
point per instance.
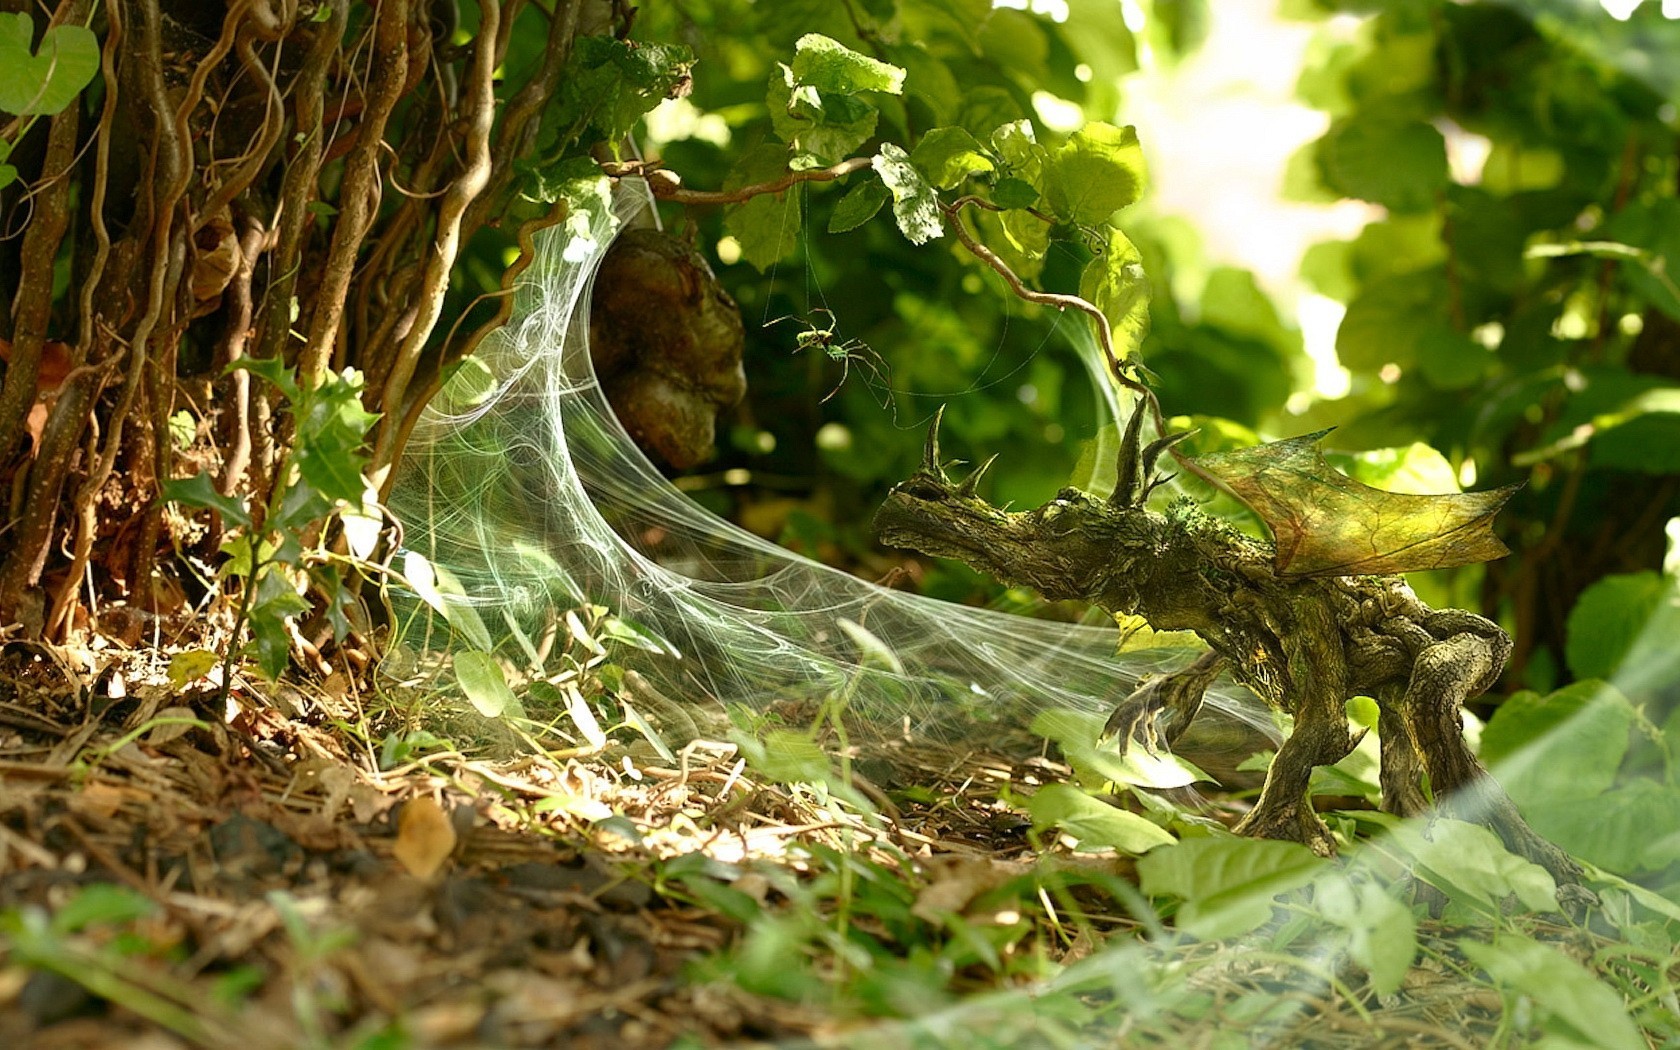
(947, 156)
(1094, 823)
(200, 491)
(915, 204)
(1325, 523)
(1115, 282)
(44, 82)
(612, 83)
(1228, 885)
(828, 65)
(1098, 171)
(1589, 1009)
(480, 678)
(858, 206)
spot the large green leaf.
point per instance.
(768, 225)
(1096, 824)
(44, 82)
(1115, 282)
(1400, 164)
(830, 66)
(1228, 885)
(481, 679)
(1611, 616)
(1098, 171)
(1327, 524)
(1559, 747)
(1588, 1010)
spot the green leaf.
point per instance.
(1610, 617)
(439, 589)
(824, 128)
(858, 206)
(1115, 282)
(828, 65)
(1023, 158)
(101, 904)
(1228, 885)
(1011, 192)
(275, 602)
(46, 82)
(1094, 823)
(1585, 1007)
(915, 204)
(1468, 861)
(480, 678)
(787, 757)
(1400, 164)
(190, 666)
(1098, 171)
(1559, 747)
(1387, 321)
(768, 225)
(1382, 935)
(274, 371)
(200, 491)
(1631, 828)
(947, 156)
(1327, 524)
(612, 83)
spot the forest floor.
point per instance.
(182, 869)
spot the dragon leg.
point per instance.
(1402, 762)
(1284, 811)
(1161, 708)
(1444, 676)
(1317, 695)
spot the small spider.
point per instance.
(845, 351)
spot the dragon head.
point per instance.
(1074, 546)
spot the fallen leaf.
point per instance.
(425, 837)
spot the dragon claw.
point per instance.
(1162, 707)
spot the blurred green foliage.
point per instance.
(1513, 307)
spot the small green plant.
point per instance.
(277, 551)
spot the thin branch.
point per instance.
(667, 187)
(360, 197)
(462, 192)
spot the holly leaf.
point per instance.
(1327, 524)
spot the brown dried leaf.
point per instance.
(1327, 524)
(425, 837)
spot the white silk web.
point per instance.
(529, 498)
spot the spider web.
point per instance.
(529, 499)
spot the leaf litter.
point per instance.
(178, 873)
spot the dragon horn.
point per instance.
(1129, 470)
(1153, 451)
(970, 483)
(930, 452)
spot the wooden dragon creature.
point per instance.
(1305, 643)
